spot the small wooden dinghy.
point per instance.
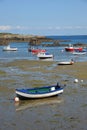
(40, 92)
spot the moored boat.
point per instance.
(71, 48)
(36, 51)
(44, 55)
(8, 48)
(79, 52)
(40, 92)
(66, 62)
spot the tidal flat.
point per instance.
(66, 111)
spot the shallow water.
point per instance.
(59, 53)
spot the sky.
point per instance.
(43, 17)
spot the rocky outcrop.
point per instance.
(6, 38)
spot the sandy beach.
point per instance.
(67, 111)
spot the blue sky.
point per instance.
(44, 17)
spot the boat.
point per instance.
(66, 62)
(79, 52)
(8, 48)
(71, 48)
(36, 51)
(40, 92)
(44, 55)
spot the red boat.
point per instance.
(70, 48)
(36, 51)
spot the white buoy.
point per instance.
(76, 81)
(16, 99)
(81, 81)
(62, 50)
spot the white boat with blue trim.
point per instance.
(44, 55)
(40, 92)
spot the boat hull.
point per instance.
(38, 92)
(66, 63)
(47, 57)
(44, 56)
(79, 53)
(10, 49)
(36, 51)
(71, 49)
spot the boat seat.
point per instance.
(53, 88)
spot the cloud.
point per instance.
(67, 27)
(81, 27)
(18, 27)
(5, 28)
(8, 27)
(73, 27)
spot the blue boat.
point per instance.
(40, 92)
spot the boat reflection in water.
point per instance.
(25, 104)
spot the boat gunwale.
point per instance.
(41, 90)
(35, 96)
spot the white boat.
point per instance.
(44, 55)
(66, 62)
(79, 52)
(40, 92)
(8, 48)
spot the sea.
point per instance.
(59, 52)
(73, 39)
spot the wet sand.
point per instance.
(67, 111)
